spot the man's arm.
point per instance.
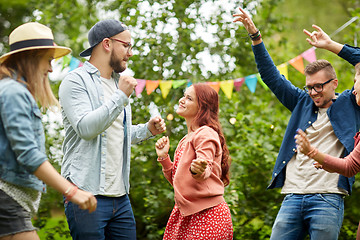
(78, 107)
(145, 131)
(284, 90)
(320, 39)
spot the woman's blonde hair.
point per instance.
(26, 65)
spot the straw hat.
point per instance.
(30, 36)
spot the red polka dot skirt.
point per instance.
(210, 224)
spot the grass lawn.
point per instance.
(56, 228)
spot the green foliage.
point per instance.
(170, 37)
(55, 228)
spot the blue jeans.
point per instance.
(113, 219)
(319, 215)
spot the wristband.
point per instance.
(255, 36)
(70, 192)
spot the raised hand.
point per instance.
(317, 38)
(156, 125)
(246, 21)
(162, 146)
(320, 39)
(127, 84)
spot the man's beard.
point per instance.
(115, 64)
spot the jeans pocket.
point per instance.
(335, 200)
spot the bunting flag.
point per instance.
(69, 63)
(251, 81)
(297, 63)
(227, 87)
(178, 83)
(214, 85)
(283, 69)
(165, 87)
(151, 85)
(74, 63)
(238, 83)
(261, 82)
(140, 86)
(309, 55)
(66, 61)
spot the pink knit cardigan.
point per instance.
(194, 193)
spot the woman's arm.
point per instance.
(48, 174)
(347, 166)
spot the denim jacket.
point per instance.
(22, 139)
(344, 113)
(86, 118)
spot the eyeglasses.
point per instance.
(126, 44)
(317, 87)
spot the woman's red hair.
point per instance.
(208, 114)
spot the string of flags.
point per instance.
(69, 63)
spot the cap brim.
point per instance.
(86, 52)
(59, 51)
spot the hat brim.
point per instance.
(87, 52)
(59, 51)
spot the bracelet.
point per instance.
(70, 192)
(163, 158)
(312, 153)
(255, 36)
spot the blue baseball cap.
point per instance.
(103, 29)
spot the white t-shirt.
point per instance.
(301, 175)
(114, 184)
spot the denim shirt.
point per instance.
(343, 113)
(22, 139)
(86, 118)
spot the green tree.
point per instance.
(170, 38)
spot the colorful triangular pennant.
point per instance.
(227, 87)
(251, 81)
(165, 87)
(309, 55)
(298, 63)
